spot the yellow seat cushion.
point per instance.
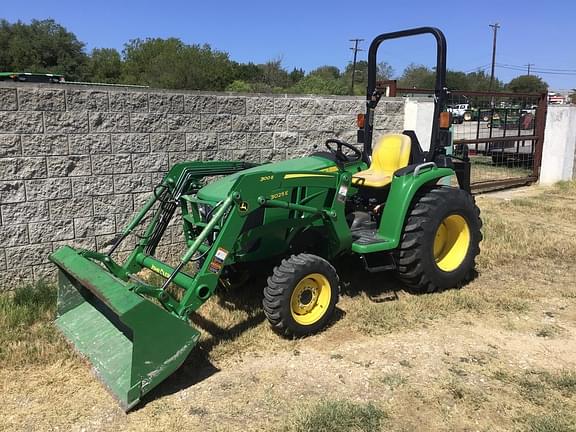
(390, 153)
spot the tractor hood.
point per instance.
(219, 190)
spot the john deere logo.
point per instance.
(243, 206)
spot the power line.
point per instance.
(537, 71)
(478, 68)
(355, 49)
(540, 68)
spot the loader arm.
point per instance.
(136, 334)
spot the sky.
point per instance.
(309, 34)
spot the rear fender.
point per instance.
(402, 192)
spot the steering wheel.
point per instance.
(339, 154)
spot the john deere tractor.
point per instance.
(384, 203)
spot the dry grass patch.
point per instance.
(494, 355)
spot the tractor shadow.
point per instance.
(355, 280)
(379, 287)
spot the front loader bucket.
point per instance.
(132, 343)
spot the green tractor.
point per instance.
(385, 204)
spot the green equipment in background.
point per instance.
(383, 203)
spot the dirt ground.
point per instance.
(496, 355)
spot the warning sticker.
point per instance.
(215, 266)
(221, 254)
(342, 192)
(218, 261)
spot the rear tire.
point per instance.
(467, 117)
(440, 241)
(301, 295)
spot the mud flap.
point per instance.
(132, 343)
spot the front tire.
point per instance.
(440, 241)
(301, 295)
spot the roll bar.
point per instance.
(373, 94)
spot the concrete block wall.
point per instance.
(76, 161)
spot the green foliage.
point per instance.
(326, 73)
(27, 305)
(527, 84)
(422, 77)
(314, 84)
(417, 76)
(105, 65)
(239, 86)
(360, 77)
(384, 71)
(338, 416)
(274, 75)
(247, 72)
(170, 63)
(45, 46)
(296, 75)
(41, 46)
(27, 335)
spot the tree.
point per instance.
(480, 81)
(247, 72)
(170, 63)
(105, 65)
(457, 80)
(527, 84)
(417, 76)
(360, 77)
(572, 96)
(274, 75)
(327, 73)
(315, 84)
(239, 86)
(384, 71)
(296, 75)
(41, 46)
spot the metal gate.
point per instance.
(501, 133)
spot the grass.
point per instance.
(559, 421)
(549, 331)
(27, 334)
(525, 382)
(336, 416)
(374, 318)
(541, 386)
(483, 168)
(393, 380)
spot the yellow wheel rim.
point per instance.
(310, 299)
(451, 243)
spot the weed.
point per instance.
(537, 385)
(27, 334)
(549, 331)
(393, 380)
(556, 422)
(337, 416)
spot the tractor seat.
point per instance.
(390, 153)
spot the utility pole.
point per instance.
(355, 49)
(528, 65)
(495, 28)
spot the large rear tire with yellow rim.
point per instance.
(301, 295)
(440, 241)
